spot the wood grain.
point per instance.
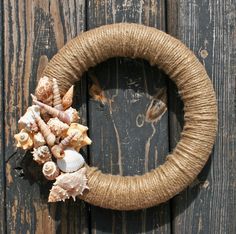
(128, 119)
(209, 29)
(34, 31)
(2, 158)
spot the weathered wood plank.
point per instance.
(34, 31)
(209, 29)
(2, 158)
(124, 107)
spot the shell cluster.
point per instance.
(49, 127)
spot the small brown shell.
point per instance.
(42, 154)
(68, 185)
(56, 95)
(58, 151)
(24, 139)
(50, 170)
(57, 127)
(68, 98)
(43, 91)
(39, 140)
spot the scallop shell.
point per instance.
(57, 127)
(56, 95)
(42, 154)
(50, 170)
(45, 130)
(69, 185)
(72, 161)
(44, 91)
(68, 98)
(81, 139)
(39, 140)
(24, 139)
(64, 117)
(27, 121)
(73, 114)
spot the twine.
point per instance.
(179, 63)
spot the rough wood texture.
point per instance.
(34, 31)
(2, 158)
(209, 29)
(127, 116)
(128, 120)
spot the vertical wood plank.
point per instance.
(128, 120)
(34, 31)
(2, 157)
(209, 29)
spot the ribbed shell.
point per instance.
(50, 170)
(42, 154)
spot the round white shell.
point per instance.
(71, 162)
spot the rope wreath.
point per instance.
(180, 64)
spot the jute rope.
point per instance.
(180, 64)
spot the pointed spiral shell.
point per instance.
(68, 98)
(56, 95)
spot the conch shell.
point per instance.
(72, 161)
(27, 121)
(39, 140)
(43, 91)
(56, 95)
(68, 98)
(57, 127)
(24, 139)
(61, 115)
(58, 150)
(50, 170)
(68, 185)
(42, 154)
(45, 130)
(81, 139)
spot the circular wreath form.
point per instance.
(180, 64)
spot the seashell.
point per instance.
(58, 152)
(42, 154)
(56, 95)
(50, 170)
(68, 98)
(45, 130)
(44, 91)
(81, 139)
(73, 114)
(72, 161)
(24, 139)
(57, 127)
(27, 121)
(39, 140)
(69, 185)
(61, 115)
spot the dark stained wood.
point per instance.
(2, 157)
(34, 31)
(209, 29)
(128, 120)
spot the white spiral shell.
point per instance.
(71, 162)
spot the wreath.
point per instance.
(50, 125)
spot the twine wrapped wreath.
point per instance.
(179, 63)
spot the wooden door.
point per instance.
(135, 116)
